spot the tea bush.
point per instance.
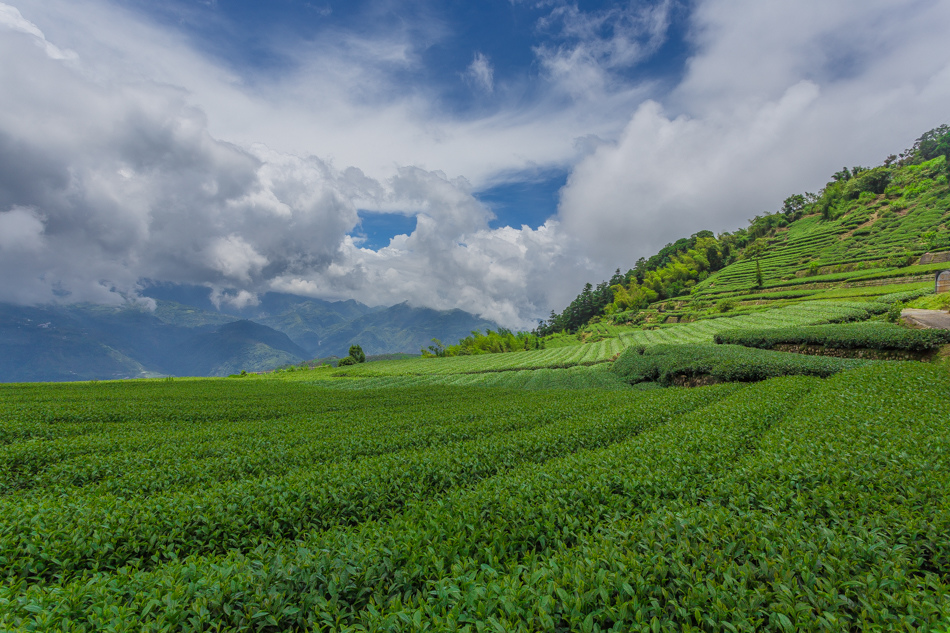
(666, 363)
(871, 335)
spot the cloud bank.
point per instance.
(776, 98)
(142, 190)
(127, 155)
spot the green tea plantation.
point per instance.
(795, 503)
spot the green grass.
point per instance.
(931, 302)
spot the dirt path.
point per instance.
(933, 319)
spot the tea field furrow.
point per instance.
(848, 521)
(363, 575)
(148, 448)
(180, 461)
(46, 537)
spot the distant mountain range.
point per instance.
(187, 335)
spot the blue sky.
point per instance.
(242, 34)
(491, 156)
(250, 39)
(529, 200)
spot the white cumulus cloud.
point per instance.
(12, 19)
(777, 97)
(21, 231)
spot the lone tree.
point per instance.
(356, 353)
(356, 356)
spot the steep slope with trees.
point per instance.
(865, 224)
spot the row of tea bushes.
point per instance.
(596, 376)
(562, 357)
(794, 504)
(665, 364)
(90, 530)
(338, 578)
(835, 519)
(871, 335)
(184, 434)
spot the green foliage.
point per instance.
(870, 335)
(356, 353)
(596, 376)
(227, 483)
(728, 363)
(893, 313)
(356, 356)
(878, 295)
(725, 305)
(906, 271)
(491, 342)
(876, 218)
(554, 357)
(794, 205)
(572, 353)
(590, 303)
(870, 181)
(932, 144)
(933, 302)
(447, 494)
(670, 273)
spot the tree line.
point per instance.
(491, 342)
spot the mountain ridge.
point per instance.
(88, 341)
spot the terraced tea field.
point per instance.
(264, 504)
(577, 354)
(871, 237)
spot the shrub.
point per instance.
(870, 182)
(725, 305)
(894, 312)
(906, 295)
(728, 363)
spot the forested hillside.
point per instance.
(864, 224)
